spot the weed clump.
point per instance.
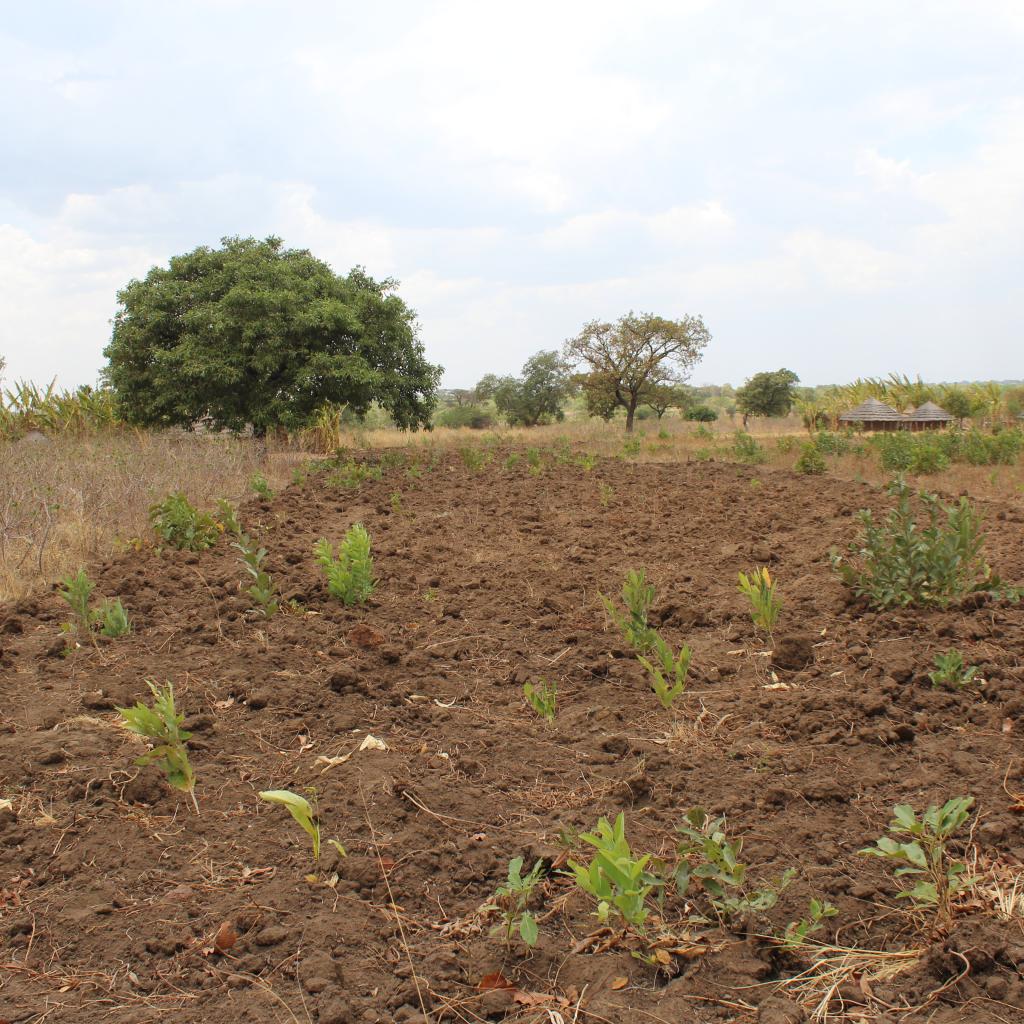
(179, 523)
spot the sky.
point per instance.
(835, 187)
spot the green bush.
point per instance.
(701, 414)
(828, 443)
(178, 523)
(746, 449)
(897, 562)
(475, 417)
(811, 462)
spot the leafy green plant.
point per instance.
(586, 461)
(350, 572)
(262, 588)
(797, 932)
(543, 698)
(77, 592)
(810, 462)
(228, 517)
(920, 851)
(614, 877)
(177, 522)
(746, 449)
(719, 870)
(512, 901)
(161, 724)
(667, 666)
(637, 596)
(897, 562)
(396, 503)
(351, 474)
(305, 813)
(511, 461)
(606, 493)
(259, 486)
(950, 670)
(631, 447)
(475, 459)
(534, 461)
(765, 603)
(113, 618)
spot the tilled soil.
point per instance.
(118, 903)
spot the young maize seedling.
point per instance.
(113, 619)
(534, 461)
(350, 573)
(77, 591)
(607, 492)
(542, 698)
(305, 813)
(262, 589)
(818, 911)
(512, 901)
(161, 723)
(259, 486)
(765, 604)
(614, 877)
(675, 667)
(924, 854)
(951, 671)
(719, 870)
(637, 596)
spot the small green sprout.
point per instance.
(512, 900)
(586, 462)
(396, 503)
(259, 486)
(637, 596)
(350, 573)
(113, 619)
(606, 493)
(951, 671)
(228, 517)
(305, 813)
(670, 665)
(765, 604)
(262, 589)
(923, 853)
(818, 911)
(614, 877)
(77, 592)
(161, 723)
(543, 698)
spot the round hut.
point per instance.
(928, 417)
(872, 414)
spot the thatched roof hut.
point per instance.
(875, 415)
(928, 417)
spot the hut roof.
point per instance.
(931, 412)
(871, 410)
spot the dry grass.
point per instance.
(70, 501)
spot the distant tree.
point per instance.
(253, 333)
(767, 394)
(662, 397)
(598, 392)
(538, 394)
(957, 402)
(487, 386)
(637, 352)
(701, 414)
(463, 396)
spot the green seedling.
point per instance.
(920, 852)
(606, 493)
(631, 447)
(637, 596)
(512, 901)
(305, 813)
(350, 573)
(178, 523)
(259, 486)
(512, 460)
(475, 459)
(351, 474)
(113, 619)
(586, 462)
(534, 461)
(797, 932)
(161, 724)
(542, 698)
(614, 877)
(228, 517)
(664, 435)
(810, 462)
(951, 671)
(262, 588)
(396, 503)
(77, 592)
(765, 604)
(299, 476)
(666, 666)
(719, 870)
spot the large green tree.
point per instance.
(536, 396)
(770, 393)
(256, 334)
(634, 354)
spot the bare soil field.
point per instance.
(120, 904)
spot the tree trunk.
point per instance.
(630, 412)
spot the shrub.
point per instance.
(162, 724)
(350, 573)
(746, 449)
(474, 417)
(897, 562)
(828, 443)
(180, 524)
(701, 414)
(810, 461)
(259, 486)
(923, 854)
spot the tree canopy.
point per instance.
(534, 397)
(770, 393)
(256, 334)
(634, 355)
